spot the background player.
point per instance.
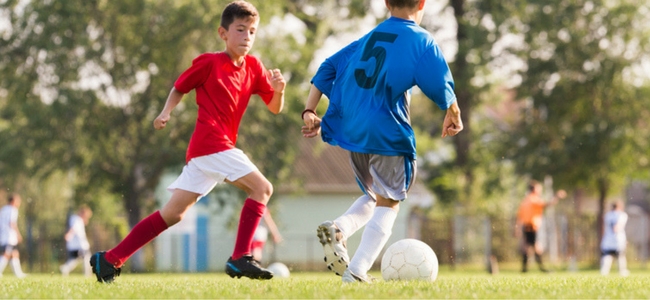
(76, 242)
(529, 220)
(368, 84)
(614, 240)
(10, 236)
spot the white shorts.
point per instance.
(203, 173)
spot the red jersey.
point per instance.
(222, 94)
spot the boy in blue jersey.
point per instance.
(368, 84)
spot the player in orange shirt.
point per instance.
(529, 219)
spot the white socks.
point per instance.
(374, 237)
(606, 264)
(356, 216)
(68, 266)
(3, 264)
(622, 265)
(15, 265)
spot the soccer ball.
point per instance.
(279, 270)
(409, 259)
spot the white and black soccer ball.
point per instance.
(279, 270)
(409, 259)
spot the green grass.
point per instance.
(454, 285)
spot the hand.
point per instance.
(161, 121)
(561, 194)
(312, 125)
(452, 123)
(277, 80)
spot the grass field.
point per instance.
(454, 285)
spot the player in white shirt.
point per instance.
(76, 242)
(614, 240)
(10, 236)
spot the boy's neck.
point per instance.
(404, 14)
(236, 59)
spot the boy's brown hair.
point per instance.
(532, 184)
(403, 3)
(237, 10)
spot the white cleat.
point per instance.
(334, 246)
(348, 277)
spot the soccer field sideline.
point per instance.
(450, 285)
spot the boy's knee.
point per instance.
(172, 218)
(264, 191)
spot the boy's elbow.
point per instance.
(277, 110)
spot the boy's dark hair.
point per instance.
(403, 3)
(237, 10)
(12, 197)
(532, 184)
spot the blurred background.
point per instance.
(553, 90)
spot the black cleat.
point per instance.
(247, 266)
(104, 270)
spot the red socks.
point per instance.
(251, 214)
(141, 234)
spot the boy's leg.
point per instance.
(333, 235)
(151, 226)
(538, 259)
(69, 266)
(107, 265)
(259, 191)
(70, 263)
(356, 216)
(373, 240)
(15, 264)
(622, 264)
(524, 259)
(86, 257)
(387, 179)
(4, 259)
(606, 263)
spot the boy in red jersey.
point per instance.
(224, 82)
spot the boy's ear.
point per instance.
(222, 32)
(421, 4)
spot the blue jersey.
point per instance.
(369, 83)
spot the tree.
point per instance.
(582, 112)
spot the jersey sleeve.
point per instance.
(329, 69)
(196, 74)
(434, 78)
(263, 86)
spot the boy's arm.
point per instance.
(561, 194)
(312, 121)
(68, 235)
(273, 228)
(278, 83)
(173, 99)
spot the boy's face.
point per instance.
(239, 36)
